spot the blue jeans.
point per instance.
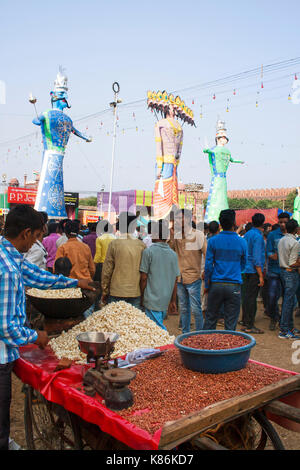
(189, 300)
(290, 282)
(227, 295)
(134, 301)
(274, 293)
(157, 317)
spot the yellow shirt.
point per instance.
(102, 246)
(121, 269)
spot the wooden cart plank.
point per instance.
(285, 411)
(204, 443)
(184, 429)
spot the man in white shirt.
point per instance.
(289, 261)
(37, 254)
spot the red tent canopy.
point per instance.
(244, 216)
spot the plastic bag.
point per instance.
(140, 355)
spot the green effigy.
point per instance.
(219, 159)
(296, 214)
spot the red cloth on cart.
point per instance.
(35, 367)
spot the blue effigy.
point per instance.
(56, 128)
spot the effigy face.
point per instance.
(59, 100)
(222, 141)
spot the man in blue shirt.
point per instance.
(253, 274)
(159, 272)
(23, 226)
(273, 269)
(225, 260)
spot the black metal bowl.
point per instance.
(66, 308)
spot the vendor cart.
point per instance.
(58, 415)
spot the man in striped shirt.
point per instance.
(23, 226)
(226, 257)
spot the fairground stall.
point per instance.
(117, 381)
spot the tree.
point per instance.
(239, 204)
(88, 201)
(289, 202)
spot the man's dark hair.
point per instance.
(258, 220)
(52, 228)
(20, 218)
(275, 227)
(160, 230)
(266, 226)
(72, 228)
(213, 227)
(63, 266)
(44, 216)
(284, 215)
(126, 222)
(92, 226)
(248, 226)
(77, 222)
(291, 226)
(227, 219)
(62, 224)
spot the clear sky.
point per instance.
(154, 45)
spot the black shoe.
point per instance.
(273, 324)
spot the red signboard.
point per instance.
(21, 196)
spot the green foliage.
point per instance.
(289, 203)
(88, 201)
(239, 204)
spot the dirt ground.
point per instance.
(269, 349)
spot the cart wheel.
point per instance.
(48, 426)
(267, 431)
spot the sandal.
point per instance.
(253, 330)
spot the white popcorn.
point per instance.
(69, 293)
(135, 329)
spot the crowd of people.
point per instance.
(214, 272)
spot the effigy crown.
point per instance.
(61, 82)
(221, 130)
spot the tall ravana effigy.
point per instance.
(219, 159)
(169, 139)
(56, 128)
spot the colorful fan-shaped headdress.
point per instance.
(161, 101)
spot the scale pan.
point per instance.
(94, 343)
